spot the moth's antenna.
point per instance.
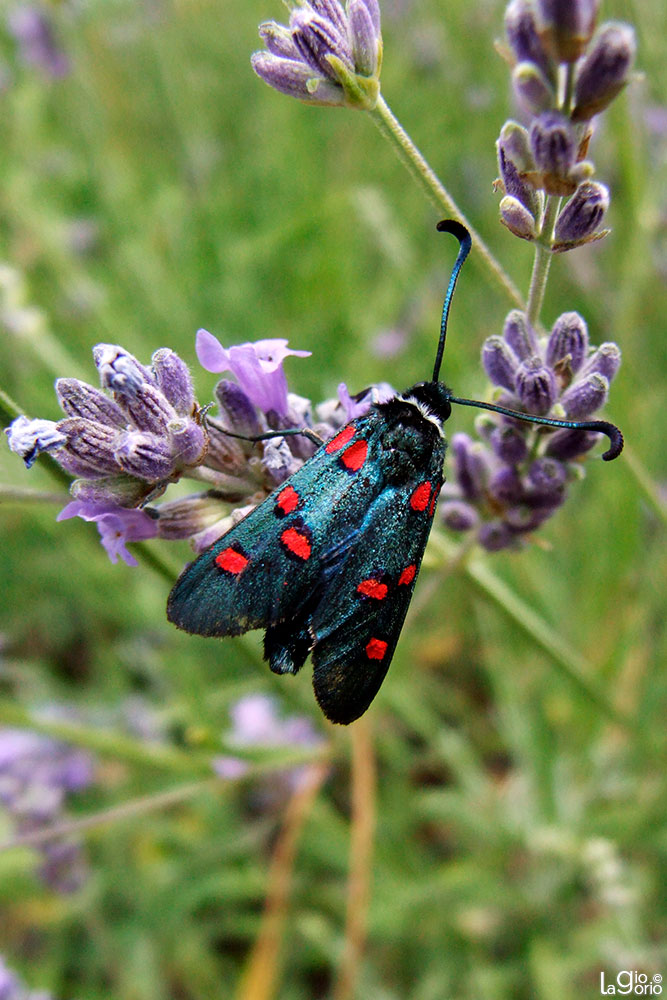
(603, 426)
(463, 236)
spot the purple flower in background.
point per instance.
(30, 26)
(37, 774)
(116, 525)
(255, 722)
(258, 368)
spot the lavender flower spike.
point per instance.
(327, 55)
(508, 484)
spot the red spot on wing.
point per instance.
(231, 561)
(341, 439)
(376, 649)
(421, 496)
(287, 501)
(373, 588)
(408, 575)
(355, 456)
(297, 542)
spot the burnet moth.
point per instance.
(327, 563)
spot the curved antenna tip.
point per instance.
(615, 436)
(456, 228)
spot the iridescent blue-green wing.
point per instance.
(268, 568)
(358, 622)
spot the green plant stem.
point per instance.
(114, 814)
(571, 664)
(413, 159)
(106, 742)
(542, 261)
(24, 494)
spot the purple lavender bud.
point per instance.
(532, 88)
(565, 26)
(373, 8)
(515, 160)
(188, 443)
(523, 37)
(494, 536)
(146, 456)
(28, 438)
(505, 485)
(519, 335)
(365, 38)
(317, 39)
(174, 381)
(295, 79)
(91, 448)
(331, 10)
(237, 413)
(458, 516)
(471, 465)
(523, 519)
(149, 409)
(278, 40)
(582, 214)
(604, 71)
(499, 362)
(119, 371)
(547, 476)
(606, 360)
(189, 515)
(567, 346)
(553, 143)
(78, 399)
(225, 453)
(585, 396)
(568, 444)
(517, 219)
(121, 490)
(536, 386)
(278, 462)
(509, 444)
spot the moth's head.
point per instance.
(434, 396)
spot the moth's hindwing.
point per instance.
(268, 566)
(357, 623)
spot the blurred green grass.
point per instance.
(160, 187)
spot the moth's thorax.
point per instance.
(431, 399)
(410, 435)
